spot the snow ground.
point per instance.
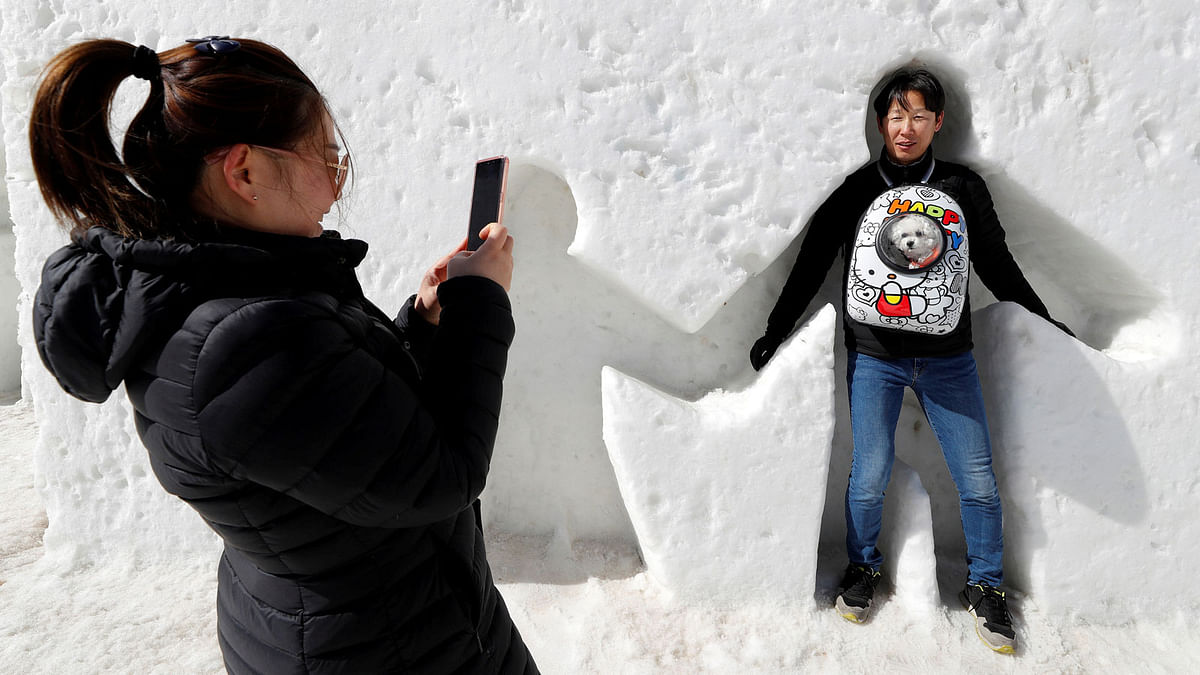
(588, 610)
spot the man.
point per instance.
(908, 323)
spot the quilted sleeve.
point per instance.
(823, 240)
(990, 256)
(288, 398)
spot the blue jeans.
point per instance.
(949, 392)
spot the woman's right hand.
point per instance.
(493, 259)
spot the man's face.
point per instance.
(908, 133)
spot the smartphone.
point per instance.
(487, 199)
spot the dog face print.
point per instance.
(912, 240)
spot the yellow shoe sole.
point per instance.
(999, 649)
(1002, 649)
(848, 613)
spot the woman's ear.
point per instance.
(240, 171)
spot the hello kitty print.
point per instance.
(909, 263)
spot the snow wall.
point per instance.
(10, 352)
(665, 163)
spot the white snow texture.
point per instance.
(666, 159)
(726, 493)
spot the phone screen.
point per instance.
(487, 199)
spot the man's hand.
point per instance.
(763, 350)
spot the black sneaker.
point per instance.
(855, 593)
(992, 620)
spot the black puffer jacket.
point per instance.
(337, 453)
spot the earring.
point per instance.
(255, 197)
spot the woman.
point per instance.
(337, 452)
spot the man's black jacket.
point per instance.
(832, 230)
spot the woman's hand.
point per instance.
(427, 304)
(492, 260)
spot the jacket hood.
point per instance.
(105, 300)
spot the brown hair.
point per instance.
(198, 103)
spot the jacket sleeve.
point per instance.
(990, 257)
(820, 248)
(416, 330)
(288, 397)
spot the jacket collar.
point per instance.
(230, 256)
(900, 174)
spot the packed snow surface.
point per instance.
(666, 160)
(726, 493)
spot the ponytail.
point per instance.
(81, 177)
(200, 101)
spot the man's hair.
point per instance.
(910, 79)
